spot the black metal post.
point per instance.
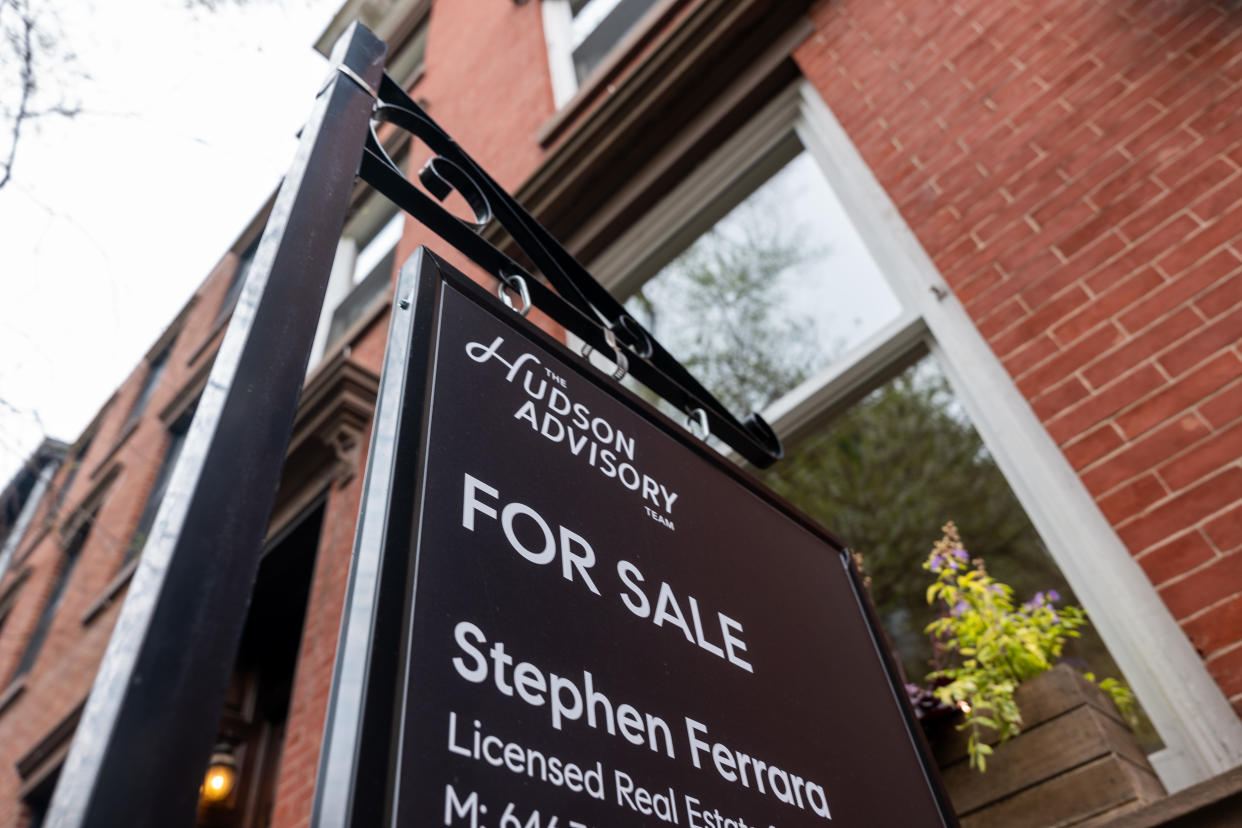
(149, 724)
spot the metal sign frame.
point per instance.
(359, 766)
(575, 299)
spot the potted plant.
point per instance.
(998, 668)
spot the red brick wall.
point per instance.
(62, 675)
(1072, 167)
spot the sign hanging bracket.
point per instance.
(515, 282)
(619, 358)
(574, 299)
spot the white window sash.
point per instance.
(340, 282)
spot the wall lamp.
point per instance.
(221, 776)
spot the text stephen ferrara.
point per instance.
(578, 702)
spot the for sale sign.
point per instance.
(607, 624)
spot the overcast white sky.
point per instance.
(114, 217)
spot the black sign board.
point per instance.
(602, 622)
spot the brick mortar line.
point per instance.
(1174, 495)
(1177, 579)
(1082, 280)
(1187, 303)
(1129, 445)
(1199, 613)
(1151, 150)
(1121, 411)
(1222, 652)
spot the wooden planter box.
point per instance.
(1075, 762)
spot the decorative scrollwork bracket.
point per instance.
(575, 300)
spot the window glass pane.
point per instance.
(598, 26)
(155, 370)
(238, 279)
(158, 488)
(588, 14)
(380, 248)
(364, 294)
(777, 289)
(75, 464)
(887, 474)
(39, 635)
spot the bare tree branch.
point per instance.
(30, 49)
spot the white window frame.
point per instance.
(558, 33)
(1201, 732)
(362, 246)
(562, 36)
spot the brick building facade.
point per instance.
(1050, 194)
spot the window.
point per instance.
(75, 464)
(38, 802)
(780, 289)
(770, 293)
(782, 276)
(887, 472)
(155, 370)
(581, 33)
(39, 768)
(176, 440)
(20, 499)
(361, 272)
(6, 602)
(372, 274)
(238, 279)
(69, 559)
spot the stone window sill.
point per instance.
(120, 441)
(10, 695)
(110, 592)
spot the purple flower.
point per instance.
(959, 608)
(1042, 599)
(952, 561)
